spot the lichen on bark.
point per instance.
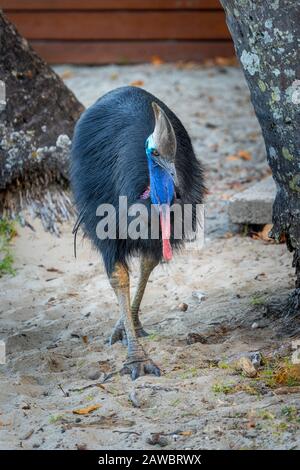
(266, 36)
(37, 117)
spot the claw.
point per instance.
(137, 367)
(141, 333)
(118, 334)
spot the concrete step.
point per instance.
(254, 205)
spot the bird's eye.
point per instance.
(155, 153)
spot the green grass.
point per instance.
(257, 300)
(280, 372)
(223, 365)
(223, 388)
(189, 373)
(7, 233)
(152, 337)
(55, 419)
(290, 413)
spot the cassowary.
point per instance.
(131, 144)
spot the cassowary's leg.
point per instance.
(119, 334)
(147, 266)
(137, 362)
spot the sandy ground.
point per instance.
(57, 313)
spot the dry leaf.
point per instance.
(66, 74)
(287, 390)
(232, 158)
(85, 339)
(251, 422)
(54, 270)
(87, 410)
(225, 197)
(244, 154)
(226, 61)
(137, 83)
(114, 76)
(186, 433)
(156, 60)
(241, 154)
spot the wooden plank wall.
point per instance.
(121, 31)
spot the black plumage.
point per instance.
(109, 160)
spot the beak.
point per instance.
(169, 167)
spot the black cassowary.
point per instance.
(131, 144)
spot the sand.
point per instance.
(56, 313)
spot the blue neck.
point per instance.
(161, 182)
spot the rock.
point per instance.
(256, 358)
(183, 307)
(27, 435)
(245, 365)
(254, 205)
(36, 445)
(134, 399)
(158, 439)
(94, 374)
(195, 338)
(81, 446)
(25, 406)
(199, 295)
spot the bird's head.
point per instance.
(161, 148)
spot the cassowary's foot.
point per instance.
(119, 333)
(138, 364)
(140, 332)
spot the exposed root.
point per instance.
(52, 205)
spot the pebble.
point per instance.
(256, 358)
(195, 338)
(183, 307)
(158, 439)
(134, 399)
(36, 445)
(245, 365)
(81, 446)
(199, 295)
(94, 374)
(25, 406)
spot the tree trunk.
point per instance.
(37, 116)
(266, 37)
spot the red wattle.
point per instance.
(167, 250)
(165, 231)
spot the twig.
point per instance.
(158, 387)
(127, 432)
(97, 384)
(66, 394)
(286, 390)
